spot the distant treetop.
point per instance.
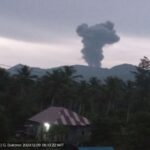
(145, 63)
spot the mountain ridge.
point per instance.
(123, 71)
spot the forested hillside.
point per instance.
(123, 71)
(119, 110)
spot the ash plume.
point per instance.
(94, 38)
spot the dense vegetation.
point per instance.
(119, 110)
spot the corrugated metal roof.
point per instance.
(60, 115)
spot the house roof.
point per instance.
(60, 115)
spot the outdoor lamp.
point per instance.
(46, 126)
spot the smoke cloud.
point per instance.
(94, 38)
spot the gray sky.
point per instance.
(43, 32)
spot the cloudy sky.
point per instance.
(42, 33)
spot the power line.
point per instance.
(5, 65)
(8, 66)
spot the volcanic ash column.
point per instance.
(94, 38)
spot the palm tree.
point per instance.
(145, 63)
(94, 94)
(21, 99)
(24, 75)
(4, 78)
(114, 92)
(57, 87)
(5, 121)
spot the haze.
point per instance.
(42, 33)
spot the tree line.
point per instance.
(119, 110)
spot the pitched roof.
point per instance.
(60, 115)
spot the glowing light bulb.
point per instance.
(47, 126)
